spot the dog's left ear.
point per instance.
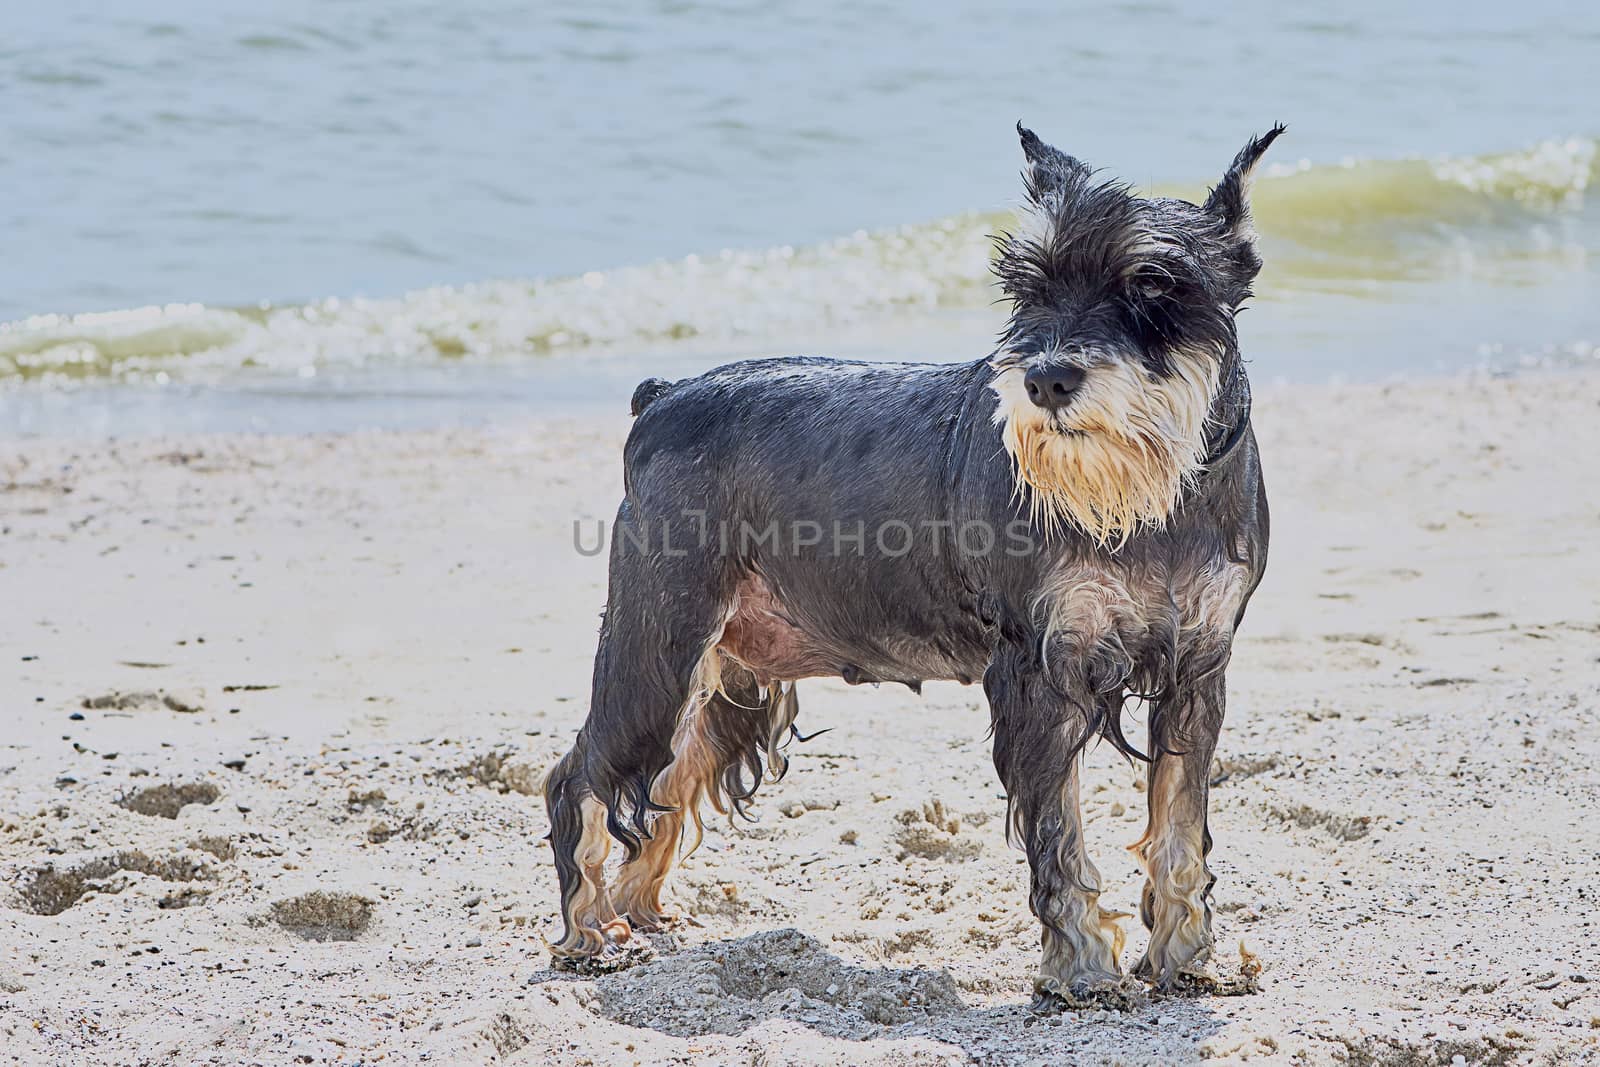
(1230, 200)
(1049, 168)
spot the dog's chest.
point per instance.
(1091, 601)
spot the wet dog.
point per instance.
(1078, 519)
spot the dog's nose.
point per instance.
(1051, 385)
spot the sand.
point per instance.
(276, 709)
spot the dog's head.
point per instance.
(1121, 330)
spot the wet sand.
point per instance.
(276, 709)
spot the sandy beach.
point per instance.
(277, 708)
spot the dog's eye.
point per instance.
(1152, 288)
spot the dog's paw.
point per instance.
(653, 922)
(1111, 994)
(1200, 984)
(618, 950)
(1194, 982)
(611, 959)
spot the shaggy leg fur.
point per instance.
(681, 787)
(716, 759)
(1173, 851)
(1038, 737)
(578, 831)
(663, 616)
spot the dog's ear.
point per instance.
(1048, 168)
(1230, 200)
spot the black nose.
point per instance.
(1051, 385)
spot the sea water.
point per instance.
(300, 215)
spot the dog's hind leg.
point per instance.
(716, 759)
(664, 613)
(1039, 734)
(1176, 841)
(581, 843)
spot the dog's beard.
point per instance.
(1120, 456)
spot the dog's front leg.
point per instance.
(1039, 733)
(1183, 736)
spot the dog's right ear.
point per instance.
(1049, 168)
(1230, 200)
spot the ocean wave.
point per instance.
(1503, 217)
(1330, 226)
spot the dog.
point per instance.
(1077, 519)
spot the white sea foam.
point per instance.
(1345, 228)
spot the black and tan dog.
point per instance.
(1078, 519)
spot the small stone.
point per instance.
(474, 941)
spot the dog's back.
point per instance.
(805, 421)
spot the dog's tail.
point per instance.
(646, 394)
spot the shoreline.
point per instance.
(340, 661)
(503, 395)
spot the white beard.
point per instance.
(1121, 455)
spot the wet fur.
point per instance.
(1122, 457)
(1147, 534)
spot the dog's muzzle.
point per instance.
(1051, 386)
